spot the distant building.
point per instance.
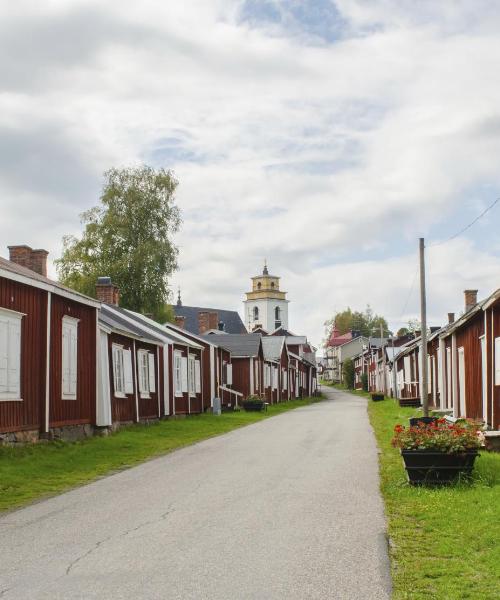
(199, 320)
(266, 306)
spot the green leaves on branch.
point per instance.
(128, 237)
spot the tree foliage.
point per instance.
(366, 322)
(128, 237)
(348, 373)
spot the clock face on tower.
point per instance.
(266, 305)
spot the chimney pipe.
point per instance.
(180, 321)
(35, 260)
(451, 318)
(470, 299)
(39, 261)
(203, 322)
(107, 292)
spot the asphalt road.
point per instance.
(285, 508)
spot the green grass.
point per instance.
(32, 472)
(445, 543)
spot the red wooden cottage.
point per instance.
(48, 355)
(276, 369)
(246, 374)
(130, 371)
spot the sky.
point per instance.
(324, 135)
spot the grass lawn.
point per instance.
(32, 472)
(445, 543)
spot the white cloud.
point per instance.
(327, 158)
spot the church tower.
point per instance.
(266, 305)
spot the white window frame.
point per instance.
(177, 374)
(197, 372)
(497, 361)
(10, 362)
(143, 369)
(69, 355)
(118, 371)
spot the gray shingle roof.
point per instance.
(14, 268)
(110, 317)
(231, 319)
(239, 344)
(272, 346)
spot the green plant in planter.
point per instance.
(253, 400)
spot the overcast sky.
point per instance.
(324, 135)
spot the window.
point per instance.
(123, 381)
(192, 376)
(256, 313)
(146, 367)
(10, 355)
(69, 357)
(259, 285)
(227, 373)
(178, 373)
(285, 380)
(118, 371)
(277, 313)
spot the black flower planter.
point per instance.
(435, 468)
(253, 406)
(414, 421)
(377, 397)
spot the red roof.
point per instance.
(338, 340)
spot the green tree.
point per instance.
(366, 322)
(348, 373)
(128, 237)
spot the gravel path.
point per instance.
(286, 508)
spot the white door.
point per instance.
(461, 381)
(484, 380)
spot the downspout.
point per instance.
(188, 383)
(442, 374)
(213, 375)
(158, 376)
(166, 381)
(454, 382)
(136, 381)
(47, 364)
(493, 358)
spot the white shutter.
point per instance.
(141, 359)
(116, 369)
(197, 370)
(151, 371)
(285, 380)
(275, 378)
(407, 369)
(127, 372)
(229, 374)
(4, 357)
(65, 359)
(497, 361)
(74, 359)
(14, 377)
(184, 374)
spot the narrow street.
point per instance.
(286, 508)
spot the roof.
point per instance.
(212, 340)
(273, 347)
(296, 340)
(111, 318)
(18, 272)
(244, 345)
(231, 319)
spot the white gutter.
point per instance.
(48, 287)
(136, 381)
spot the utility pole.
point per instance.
(423, 317)
(382, 347)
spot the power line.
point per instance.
(455, 235)
(409, 295)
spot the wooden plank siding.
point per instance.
(28, 414)
(82, 410)
(149, 408)
(468, 338)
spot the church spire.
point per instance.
(179, 301)
(265, 271)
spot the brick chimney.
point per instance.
(23, 255)
(451, 318)
(207, 321)
(180, 321)
(470, 299)
(107, 292)
(39, 261)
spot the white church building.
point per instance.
(266, 305)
